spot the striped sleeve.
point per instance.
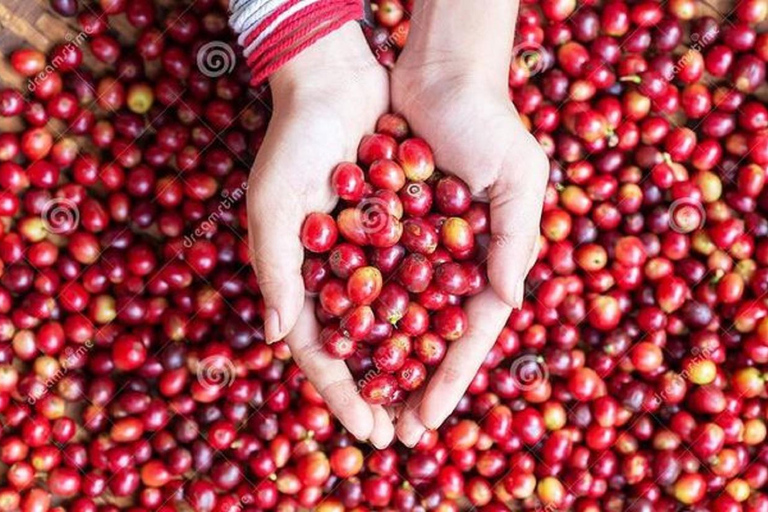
(272, 32)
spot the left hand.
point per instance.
(325, 100)
(477, 135)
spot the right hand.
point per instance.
(325, 100)
(459, 103)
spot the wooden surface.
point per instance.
(25, 23)
(34, 23)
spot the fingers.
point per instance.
(277, 255)
(487, 315)
(410, 428)
(383, 430)
(332, 379)
(515, 216)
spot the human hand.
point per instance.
(459, 103)
(325, 100)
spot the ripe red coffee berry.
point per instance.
(358, 323)
(348, 181)
(411, 375)
(456, 236)
(336, 344)
(379, 390)
(391, 303)
(27, 62)
(364, 285)
(376, 147)
(452, 196)
(450, 323)
(386, 174)
(415, 157)
(390, 355)
(319, 232)
(345, 258)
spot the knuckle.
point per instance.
(304, 355)
(341, 390)
(263, 263)
(504, 191)
(261, 194)
(451, 375)
(540, 164)
(504, 238)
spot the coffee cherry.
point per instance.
(348, 182)
(319, 232)
(379, 390)
(416, 159)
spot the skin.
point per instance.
(450, 84)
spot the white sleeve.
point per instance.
(246, 14)
(272, 26)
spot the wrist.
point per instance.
(342, 58)
(290, 30)
(459, 39)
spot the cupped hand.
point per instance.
(466, 116)
(325, 100)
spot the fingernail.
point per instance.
(360, 436)
(379, 444)
(271, 325)
(517, 296)
(413, 436)
(520, 293)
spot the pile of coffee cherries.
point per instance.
(419, 232)
(133, 369)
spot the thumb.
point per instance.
(276, 254)
(515, 216)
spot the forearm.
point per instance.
(478, 35)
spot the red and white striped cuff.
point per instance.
(273, 33)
